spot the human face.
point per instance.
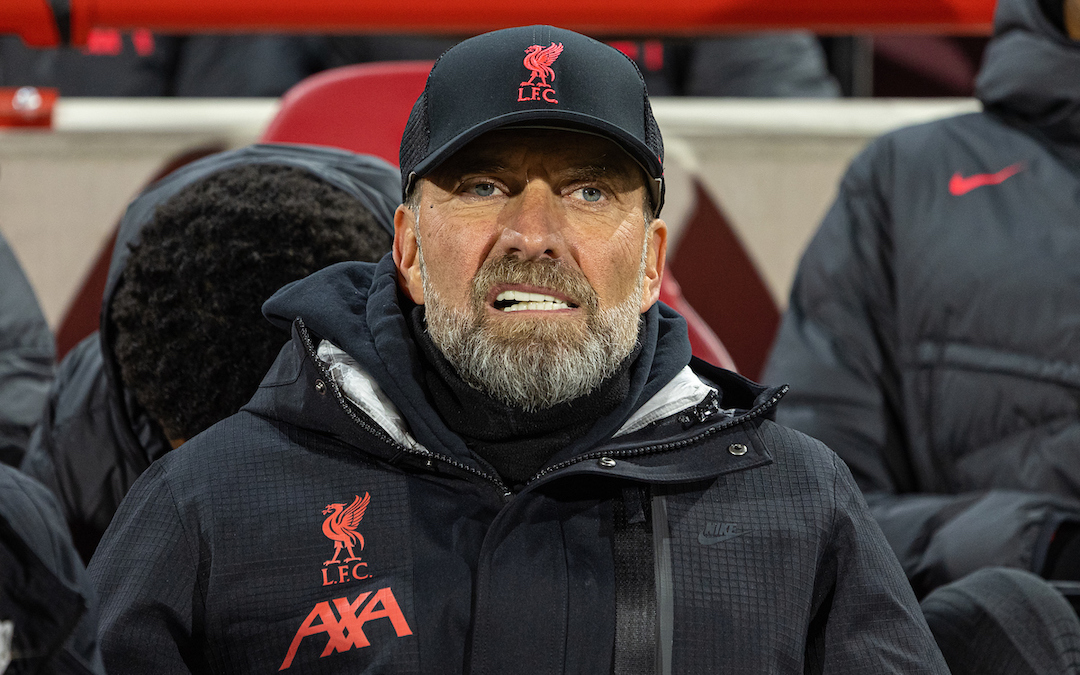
(547, 216)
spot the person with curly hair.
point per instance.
(183, 343)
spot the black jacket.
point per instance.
(26, 358)
(932, 335)
(44, 591)
(705, 538)
(95, 439)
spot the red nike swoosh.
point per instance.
(960, 185)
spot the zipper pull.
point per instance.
(707, 408)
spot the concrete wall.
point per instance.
(772, 166)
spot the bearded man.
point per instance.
(491, 452)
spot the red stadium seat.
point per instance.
(721, 279)
(703, 341)
(364, 108)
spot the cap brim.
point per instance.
(562, 119)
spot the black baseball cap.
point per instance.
(531, 76)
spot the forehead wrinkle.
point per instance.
(586, 172)
(615, 166)
(469, 165)
(619, 174)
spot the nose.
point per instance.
(533, 224)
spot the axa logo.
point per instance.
(343, 622)
(714, 533)
(539, 59)
(340, 527)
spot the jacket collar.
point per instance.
(682, 392)
(372, 368)
(355, 306)
(690, 444)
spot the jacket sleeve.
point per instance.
(868, 620)
(146, 572)
(836, 345)
(74, 451)
(838, 349)
(44, 588)
(26, 358)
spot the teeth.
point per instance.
(543, 306)
(522, 296)
(530, 301)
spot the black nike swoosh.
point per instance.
(711, 541)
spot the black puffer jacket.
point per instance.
(933, 333)
(26, 358)
(95, 439)
(337, 525)
(45, 593)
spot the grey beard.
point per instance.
(535, 363)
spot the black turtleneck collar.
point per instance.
(515, 442)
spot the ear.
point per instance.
(407, 254)
(655, 257)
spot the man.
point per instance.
(931, 334)
(183, 344)
(487, 453)
(26, 358)
(48, 615)
(930, 338)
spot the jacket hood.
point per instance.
(1031, 70)
(374, 182)
(356, 306)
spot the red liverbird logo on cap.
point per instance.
(539, 60)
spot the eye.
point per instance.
(483, 189)
(589, 194)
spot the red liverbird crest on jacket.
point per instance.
(340, 527)
(539, 60)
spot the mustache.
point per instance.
(545, 272)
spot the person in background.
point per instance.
(182, 343)
(759, 65)
(48, 608)
(26, 358)
(141, 63)
(931, 336)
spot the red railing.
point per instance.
(32, 19)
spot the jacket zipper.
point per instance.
(377, 431)
(754, 412)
